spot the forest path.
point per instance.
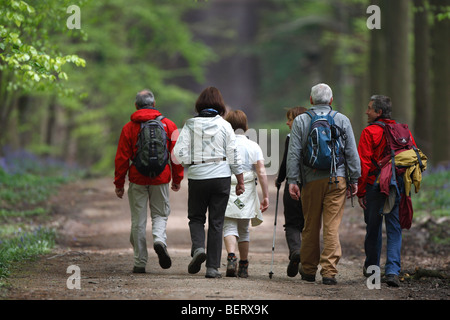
(93, 227)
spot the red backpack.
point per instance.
(398, 139)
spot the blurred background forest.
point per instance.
(66, 93)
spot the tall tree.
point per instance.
(440, 35)
(377, 55)
(422, 77)
(132, 45)
(230, 28)
(398, 58)
(29, 59)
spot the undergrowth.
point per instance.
(26, 184)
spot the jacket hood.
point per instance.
(210, 126)
(143, 115)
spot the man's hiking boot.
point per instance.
(329, 280)
(138, 269)
(365, 273)
(212, 273)
(293, 266)
(392, 280)
(307, 277)
(164, 259)
(231, 265)
(243, 269)
(198, 258)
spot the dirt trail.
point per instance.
(94, 225)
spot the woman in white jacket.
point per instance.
(207, 147)
(246, 207)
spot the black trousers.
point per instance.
(208, 195)
(294, 221)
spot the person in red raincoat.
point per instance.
(371, 150)
(143, 189)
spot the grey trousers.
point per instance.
(139, 196)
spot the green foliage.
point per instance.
(24, 245)
(299, 43)
(24, 195)
(27, 54)
(434, 195)
(132, 45)
(22, 213)
(284, 59)
(27, 189)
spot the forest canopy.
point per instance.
(67, 92)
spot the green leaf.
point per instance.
(63, 75)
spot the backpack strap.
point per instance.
(388, 145)
(309, 114)
(159, 118)
(335, 113)
(382, 125)
(379, 123)
(377, 166)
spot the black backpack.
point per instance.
(152, 154)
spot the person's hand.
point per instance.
(353, 191)
(120, 192)
(176, 186)
(362, 202)
(294, 191)
(240, 189)
(277, 184)
(264, 204)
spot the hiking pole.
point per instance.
(274, 232)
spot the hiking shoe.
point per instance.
(307, 277)
(243, 269)
(198, 258)
(138, 269)
(329, 280)
(392, 280)
(231, 266)
(365, 273)
(164, 259)
(293, 266)
(212, 273)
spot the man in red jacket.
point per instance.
(371, 149)
(143, 189)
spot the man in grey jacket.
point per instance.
(321, 201)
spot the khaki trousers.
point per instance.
(322, 202)
(139, 196)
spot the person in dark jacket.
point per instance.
(143, 189)
(293, 213)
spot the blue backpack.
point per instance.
(323, 150)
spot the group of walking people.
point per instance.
(224, 169)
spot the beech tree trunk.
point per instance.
(440, 35)
(422, 65)
(398, 54)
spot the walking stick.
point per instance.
(274, 232)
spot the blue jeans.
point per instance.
(374, 222)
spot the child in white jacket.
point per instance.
(242, 209)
